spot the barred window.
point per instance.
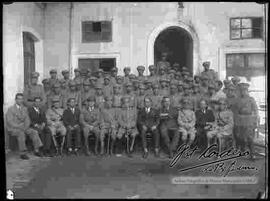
(96, 31)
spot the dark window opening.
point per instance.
(100, 31)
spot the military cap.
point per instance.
(62, 81)
(56, 85)
(197, 76)
(184, 68)
(171, 71)
(99, 86)
(180, 83)
(163, 54)
(186, 86)
(178, 73)
(77, 70)
(195, 85)
(173, 85)
(185, 100)
(114, 69)
(204, 77)
(235, 79)
(190, 79)
(93, 78)
(151, 67)
(140, 68)
(211, 86)
(226, 81)
(136, 80)
(45, 81)
(185, 73)
(127, 68)
(119, 77)
(141, 86)
(86, 83)
(155, 85)
(91, 98)
(231, 86)
(107, 77)
(147, 81)
(53, 71)
(176, 65)
(117, 86)
(64, 72)
(35, 74)
(72, 83)
(128, 84)
(100, 70)
(163, 79)
(243, 86)
(206, 63)
(132, 76)
(55, 99)
(108, 98)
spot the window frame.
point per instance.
(241, 28)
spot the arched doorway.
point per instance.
(178, 43)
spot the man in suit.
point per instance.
(38, 124)
(148, 121)
(18, 123)
(168, 122)
(90, 121)
(204, 121)
(71, 120)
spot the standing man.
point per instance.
(107, 87)
(156, 97)
(235, 81)
(73, 93)
(131, 95)
(117, 97)
(53, 79)
(164, 91)
(140, 76)
(47, 91)
(56, 93)
(140, 97)
(86, 92)
(71, 120)
(90, 121)
(65, 80)
(18, 123)
(126, 74)
(174, 97)
(77, 73)
(99, 96)
(210, 73)
(100, 77)
(33, 90)
(148, 121)
(163, 63)
(168, 122)
(114, 73)
(152, 74)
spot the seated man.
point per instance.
(186, 121)
(148, 120)
(168, 122)
(224, 124)
(90, 121)
(18, 123)
(71, 120)
(127, 120)
(108, 125)
(204, 119)
(55, 124)
(38, 124)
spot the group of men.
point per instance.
(169, 103)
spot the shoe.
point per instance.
(76, 152)
(145, 154)
(38, 154)
(24, 157)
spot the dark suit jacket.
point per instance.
(35, 117)
(202, 118)
(148, 119)
(168, 117)
(71, 119)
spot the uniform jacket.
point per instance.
(107, 90)
(109, 117)
(32, 91)
(156, 101)
(71, 119)
(127, 118)
(52, 96)
(149, 119)
(54, 116)
(140, 101)
(186, 118)
(17, 119)
(100, 101)
(175, 100)
(35, 117)
(117, 100)
(225, 121)
(211, 74)
(88, 117)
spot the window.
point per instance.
(243, 28)
(29, 56)
(100, 31)
(245, 64)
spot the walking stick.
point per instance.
(108, 143)
(62, 144)
(55, 143)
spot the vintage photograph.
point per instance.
(134, 100)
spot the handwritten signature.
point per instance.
(217, 166)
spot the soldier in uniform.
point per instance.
(79, 85)
(219, 93)
(178, 75)
(163, 63)
(73, 93)
(107, 87)
(108, 125)
(162, 74)
(174, 97)
(204, 85)
(90, 121)
(188, 95)
(77, 73)
(136, 84)
(113, 75)
(186, 121)
(226, 84)
(197, 79)
(176, 67)
(210, 73)
(99, 96)
(235, 81)
(156, 97)
(18, 123)
(140, 76)
(126, 74)
(140, 97)
(65, 79)
(152, 75)
(185, 76)
(93, 82)
(86, 92)
(56, 92)
(117, 96)
(54, 116)
(119, 81)
(180, 88)
(148, 87)
(171, 74)
(164, 91)
(231, 97)
(53, 77)
(223, 126)
(132, 97)
(127, 120)
(196, 95)
(100, 77)
(47, 91)
(246, 120)
(34, 90)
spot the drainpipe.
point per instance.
(70, 40)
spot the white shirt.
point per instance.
(147, 109)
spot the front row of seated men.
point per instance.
(121, 125)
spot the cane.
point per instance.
(55, 143)
(108, 142)
(62, 144)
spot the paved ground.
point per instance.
(118, 177)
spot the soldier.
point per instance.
(79, 85)
(53, 79)
(185, 77)
(90, 121)
(197, 79)
(223, 126)
(163, 63)
(210, 73)
(196, 95)
(107, 88)
(99, 97)
(186, 121)
(235, 81)
(168, 122)
(131, 95)
(231, 97)
(162, 74)
(148, 87)
(34, 90)
(140, 76)
(117, 96)
(65, 80)
(204, 85)
(93, 82)
(174, 97)
(176, 67)
(71, 120)
(86, 92)
(211, 96)
(178, 75)
(100, 77)
(136, 84)
(54, 116)
(163, 91)
(180, 87)
(126, 74)
(152, 75)
(246, 120)
(219, 93)
(56, 92)
(18, 123)
(119, 81)
(156, 97)
(140, 97)
(108, 125)
(127, 120)
(73, 93)
(77, 73)
(47, 91)
(114, 72)
(171, 74)
(188, 95)
(226, 84)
